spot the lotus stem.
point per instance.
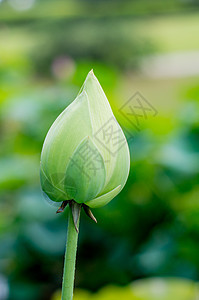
(70, 259)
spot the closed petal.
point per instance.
(88, 122)
(104, 199)
(119, 167)
(107, 135)
(72, 126)
(54, 193)
(86, 170)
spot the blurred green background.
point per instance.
(146, 243)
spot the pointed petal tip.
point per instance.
(91, 72)
(91, 75)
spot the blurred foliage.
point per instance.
(99, 8)
(145, 289)
(152, 228)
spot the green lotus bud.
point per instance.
(85, 156)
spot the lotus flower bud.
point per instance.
(85, 156)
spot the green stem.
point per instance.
(70, 259)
